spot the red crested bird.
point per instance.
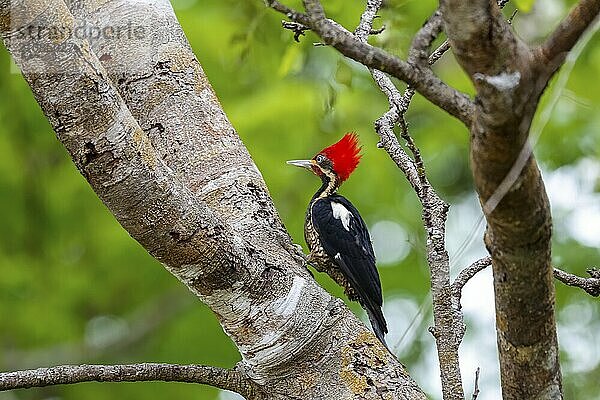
(337, 236)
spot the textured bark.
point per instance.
(147, 132)
(69, 374)
(509, 79)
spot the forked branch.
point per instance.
(591, 285)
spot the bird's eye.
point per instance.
(320, 158)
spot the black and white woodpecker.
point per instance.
(337, 236)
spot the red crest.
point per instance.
(344, 155)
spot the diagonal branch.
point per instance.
(292, 14)
(467, 274)
(422, 79)
(519, 226)
(554, 50)
(68, 374)
(419, 48)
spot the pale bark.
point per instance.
(186, 189)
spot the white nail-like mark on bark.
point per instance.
(287, 304)
(503, 81)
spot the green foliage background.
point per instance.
(75, 288)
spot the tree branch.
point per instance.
(365, 26)
(519, 223)
(476, 388)
(422, 79)
(295, 27)
(590, 285)
(292, 14)
(68, 374)
(449, 327)
(467, 274)
(555, 48)
(419, 48)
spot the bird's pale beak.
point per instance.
(301, 163)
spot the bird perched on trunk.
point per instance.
(336, 234)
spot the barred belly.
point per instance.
(322, 261)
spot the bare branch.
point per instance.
(419, 49)
(384, 127)
(554, 50)
(466, 274)
(365, 26)
(70, 374)
(449, 327)
(422, 79)
(476, 388)
(292, 14)
(590, 285)
(439, 52)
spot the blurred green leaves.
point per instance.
(524, 5)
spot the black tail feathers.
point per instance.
(377, 323)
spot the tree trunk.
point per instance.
(146, 130)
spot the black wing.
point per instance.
(345, 238)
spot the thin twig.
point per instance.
(466, 274)
(377, 31)
(476, 388)
(590, 285)
(512, 16)
(69, 374)
(292, 14)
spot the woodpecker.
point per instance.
(337, 236)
